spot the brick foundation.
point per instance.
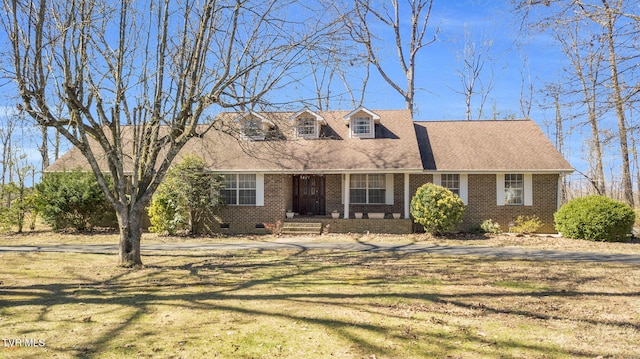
(387, 225)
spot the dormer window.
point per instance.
(362, 126)
(307, 124)
(361, 123)
(306, 127)
(253, 126)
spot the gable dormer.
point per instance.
(306, 124)
(362, 123)
(253, 126)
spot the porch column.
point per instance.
(407, 196)
(347, 194)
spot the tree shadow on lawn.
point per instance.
(246, 284)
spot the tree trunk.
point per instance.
(619, 106)
(636, 161)
(130, 224)
(44, 149)
(598, 180)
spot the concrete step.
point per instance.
(301, 228)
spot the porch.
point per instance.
(373, 195)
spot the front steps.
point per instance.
(301, 228)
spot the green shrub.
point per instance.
(166, 213)
(72, 200)
(526, 224)
(6, 219)
(595, 218)
(489, 226)
(185, 199)
(436, 208)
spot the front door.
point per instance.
(308, 195)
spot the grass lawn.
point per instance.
(315, 304)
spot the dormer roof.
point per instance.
(249, 114)
(374, 116)
(306, 111)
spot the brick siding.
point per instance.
(243, 219)
(482, 202)
(481, 205)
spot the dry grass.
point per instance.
(317, 304)
(550, 242)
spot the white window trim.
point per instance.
(316, 128)
(389, 195)
(260, 128)
(463, 182)
(464, 188)
(370, 134)
(389, 189)
(528, 189)
(527, 179)
(253, 116)
(259, 191)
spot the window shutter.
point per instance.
(389, 188)
(342, 189)
(437, 179)
(528, 189)
(259, 189)
(464, 188)
(500, 189)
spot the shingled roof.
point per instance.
(401, 145)
(487, 146)
(394, 148)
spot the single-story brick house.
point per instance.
(371, 163)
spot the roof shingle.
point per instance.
(487, 146)
(401, 145)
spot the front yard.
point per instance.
(551, 242)
(317, 304)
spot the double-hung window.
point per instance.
(514, 189)
(362, 126)
(253, 129)
(239, 189)
(451, 182)
(306, 127)
(368, 188)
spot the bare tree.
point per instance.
(526, 89)
(636, 159)
(334, 68)
(616, 26)
(586, 58)
(474, 57)
(138, 79)
(370, 15)
(555, 91)
(6, 135)
(607, 19)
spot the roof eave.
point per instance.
(562, 171)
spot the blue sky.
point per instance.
(513, 56)
(437, 79)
